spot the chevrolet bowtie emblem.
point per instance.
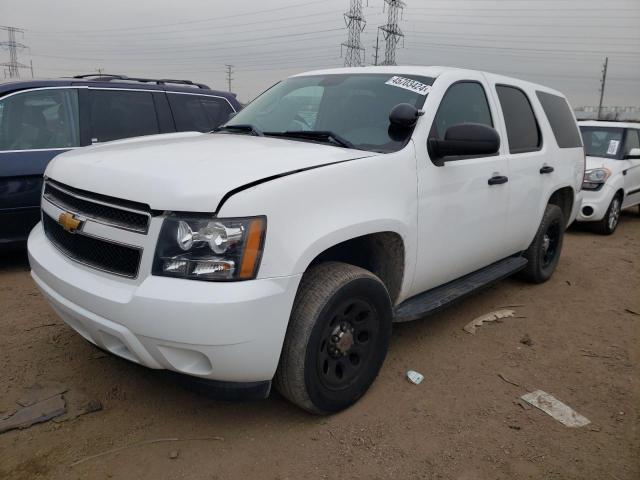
(69, 222)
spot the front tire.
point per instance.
(610, 221)
(337, 338)
(544, 252)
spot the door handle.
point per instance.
(546, 169)
(498, 180)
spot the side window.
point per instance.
(633, 141)
(117, 114)
(40, 119)
(561, 120)
(464, 102)
(217, 110)
(188, 113)
(522, 128)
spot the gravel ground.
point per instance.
(461, 423)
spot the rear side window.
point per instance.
(464, 102)
(39, 120)
(117, 114)
(197, 112)
(561, 120)
(522, 128)
(633, 141)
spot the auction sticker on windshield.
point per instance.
(408, 84)
(613, 147)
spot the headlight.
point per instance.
(214, 249)
(595, 178)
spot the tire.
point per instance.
(544, 252)
(611, 218)
(337, 338)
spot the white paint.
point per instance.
(450, 221)
(554, 407)
(625, 177)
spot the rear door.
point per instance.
(121, 113)
(632, 172)
(530, 167)
(35, 126)
(462, 217)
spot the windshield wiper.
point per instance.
(320, 135)
(243, 127)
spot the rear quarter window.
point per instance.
(562, 122)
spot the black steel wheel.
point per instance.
(337, 338)
(347, 343)
(544, 252)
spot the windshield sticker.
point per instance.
(408, 84)
(613, 147)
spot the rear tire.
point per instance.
(610, 221)
(544, 252)
(337, 338)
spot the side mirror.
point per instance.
(404, 115)
(634, 154)
(465, 139)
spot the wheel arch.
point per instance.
(563, 197)
(382, 253)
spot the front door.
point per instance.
(461, 214)
(35, 126)
(632, 169)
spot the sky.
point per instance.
(559, 43)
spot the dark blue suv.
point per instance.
(41, 119)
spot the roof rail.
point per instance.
(107, 77)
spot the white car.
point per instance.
(612, 177)
(285, 244)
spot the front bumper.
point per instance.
(595, 204)
(231, 332)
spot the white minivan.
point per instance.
(283, 245)
(612, 178)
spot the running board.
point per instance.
(437, 298)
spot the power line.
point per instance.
(12, 44)
(191, 22)
(355, 21)
(391, 31)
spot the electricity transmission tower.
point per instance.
(355, 25)
(13, 65)
(229, 73)
(391, 31)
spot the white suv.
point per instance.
(612, 179)
(283, 245)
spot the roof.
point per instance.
(427, 71)
(598, 123)
(22, 84)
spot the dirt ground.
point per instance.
(461, 423)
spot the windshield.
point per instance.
(602, 141)
(354, 108)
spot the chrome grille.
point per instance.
(98, 253)
(99, 208)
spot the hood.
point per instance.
(188, 172)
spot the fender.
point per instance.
(315, 209)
